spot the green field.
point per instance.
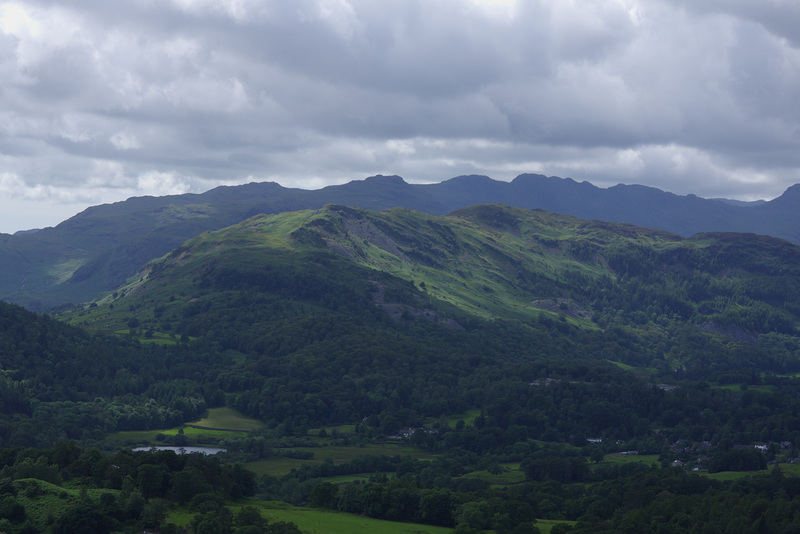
(793, 469)
(322, 521)
(280, 466)
(648, 459)
(509, 474)
(219, 423)
(317, 521)
(731, 475)
(635, 370)
(349, 479)
(227, 419)
(468, 417)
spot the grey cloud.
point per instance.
(779, 17)
(687, 96)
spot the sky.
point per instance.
(101, 101)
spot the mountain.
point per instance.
(99, 248)
(336, 315)
(743, 203)
(636, 204)
(339, 315)
(487, 262)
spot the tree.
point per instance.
(187, 483)
(134, 505)
(153, 514)
(84, 518)
(151, 480)
(476, 515)
(11, 509)
(250, 516)
(436, 507)
(324, 495)
(237, 481)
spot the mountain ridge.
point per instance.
(488, 262)
(100, 247)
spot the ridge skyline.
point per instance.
(728, 200)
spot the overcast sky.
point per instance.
(100, 100)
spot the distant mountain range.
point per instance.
(101, 247)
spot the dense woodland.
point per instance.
(638, 340)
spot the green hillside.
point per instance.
(479, 263)
(496, 369)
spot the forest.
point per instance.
(614, 378)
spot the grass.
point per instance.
(648, 459)
(62, 271)
(793, 469)
(280, 466)
(785, 375)
(342, 454)
(349, 479)
(227, 419)
(786, 468)
(320, 521)
(277, 467)
(509, 475)
(468, 417)
(635, 370)
(219, 423)
(325, 521)
(731, 475)
(475, 279)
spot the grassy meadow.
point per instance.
(320, 520)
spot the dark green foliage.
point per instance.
(152, 480)
(324, 495)
(67, 372)
(249, 516)
(84, 518)
(120, 507)
(219, 522)
(11, 509)
(563, 470)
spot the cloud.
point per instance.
(102, 99)
(125, 140)
(162, 183)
